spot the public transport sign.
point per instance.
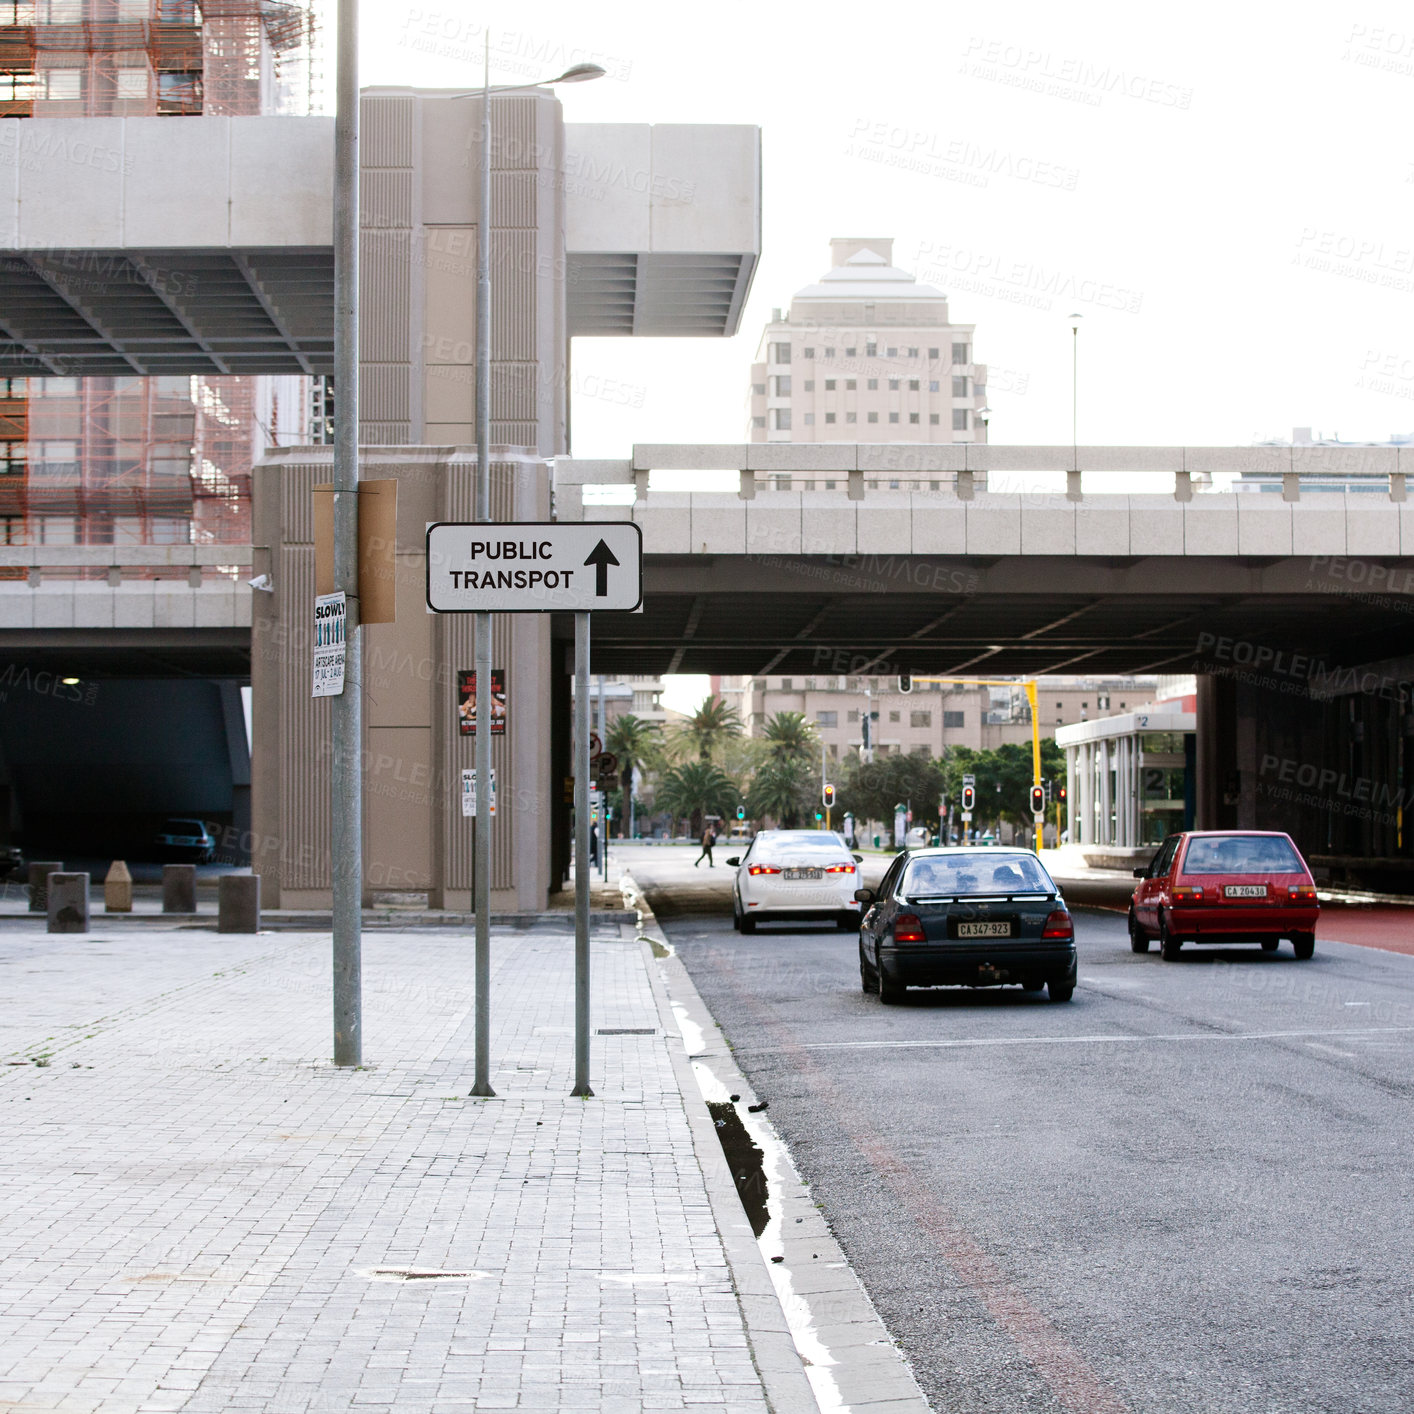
(533, 567)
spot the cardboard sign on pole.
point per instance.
(377, 548)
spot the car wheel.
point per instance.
(1060, 991)
(868, 982)
(890, 992)
(1138, 938)
(748, 925)
(1270, 944)
(1168, 944)
(1304, 945)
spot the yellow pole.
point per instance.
(1035, 750)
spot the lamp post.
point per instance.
(1074, 382)
(481, 901)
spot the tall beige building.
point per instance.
(867, 354)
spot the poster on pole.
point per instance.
(330, 643)
(466, 702)
(469, 793)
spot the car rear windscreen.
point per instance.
(1241, 854)
(968, 874)
(803, 843)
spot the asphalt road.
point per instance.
(1189, 1189)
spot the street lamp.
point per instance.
(481, 901)
(1074, 380)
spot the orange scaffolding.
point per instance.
(140, 460)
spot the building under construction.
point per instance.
(132, 458)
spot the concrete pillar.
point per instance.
(1070, 754)
(238, 903)
(118, 889)
(67, 903)
(179, 888)
(1086, 792)
(39, 871)
(1106, 828)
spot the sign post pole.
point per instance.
(581, 856)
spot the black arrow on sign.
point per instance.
(601, 557)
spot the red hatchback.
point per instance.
(1225, 886)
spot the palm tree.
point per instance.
(781, 789)
(712, 723)
(631, 739)
(695, 789)
(789, 734)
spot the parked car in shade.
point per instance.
(805, 875)
(1225, 886)
(968, 916)
(185, 841)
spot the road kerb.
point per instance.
(817, 1348)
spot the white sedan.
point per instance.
(796, 874)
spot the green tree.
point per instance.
(709, 726)
(788, 734)
(697, 789)
(872, 789)
(782, 789)
(633, 740)
(1008, 767)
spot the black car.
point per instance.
(966, 917)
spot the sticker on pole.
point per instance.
(469, 793)
(533, 567)
(330, 642)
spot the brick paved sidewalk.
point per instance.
(198, 1213)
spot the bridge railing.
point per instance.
(968, 470)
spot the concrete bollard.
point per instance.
(238, 903)
(39, 871)
(118, 888)
(67, 903)
(179, 888)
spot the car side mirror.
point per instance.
(1141, 873)
(864, 895)
(734, 860)
(858, 858)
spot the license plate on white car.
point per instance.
(1244, 891)
(805, 874)
(984, 930)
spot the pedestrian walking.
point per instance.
(594, 844)
(709, 838)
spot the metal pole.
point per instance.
(346, 726)
(604, 794)
(581, 856)
(481, 876)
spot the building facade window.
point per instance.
(809, 385)
(758, 422)
(829, 353)
(873, 417)
(893, 716)
(786, 684)
(807, 353)
(850, 417)
(782, 385)
(780, 353)
(852, 715)
(913, 385)
(913, 353)
(871, 349)
(871, 384)
(959, 419)
(827, 719)
(913, 417)
(959, 387)
(934, 353)
(920, 719)
(759, 389)
(829, 417)
(933, 385)
(829, 385)
(850, 384)
(780, 419)
(959, 353)
(954, 719)
(893, 385)
(893, 417)
(933, 419)
(850, 353)
(810, 421)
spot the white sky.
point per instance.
(1242, 174)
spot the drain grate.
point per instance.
(627, 1031)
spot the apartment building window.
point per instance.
(913, 385)
(850, 353)
(959, 419)
(850, 384)
(959, 353)
(913, 417)
(829, 385)
(759, 389)
(807, 353)
(893, 353)
(850, 417)
(871, 383)
(933, 385)
(780, 353)
(893, 716)
(782, 382)
(893, 385)
(809, 385)
(959, 387)
(780, 419)
(758, 422)
(829, 353)
(1060, 704)
(830, 485)
(786, 684)
(809, 422)
(933, 419)
(852, 715)
(827, 719)
(893, 417)
(920, 719)
(871, 349)
(954, 719)
(829, 417)
(934, 353)
(873, 417)
(1102, 702)
(913, 353)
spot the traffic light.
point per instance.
(905, 682)
(1038, 800)
(969, 798)
(741, 812)
(819, 815)
(827, 796)
(1062, 792)
(868, 729)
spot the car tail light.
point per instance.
(839, 869)
(1187, 893)
(763, 869)
(1058, 925)
(908, 928)
(1301, 893)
